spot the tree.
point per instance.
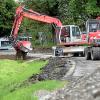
(93, 8)
(7, 10)
(78, 11)
(47, 7)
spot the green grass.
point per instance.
(13, 73)
(28, 92)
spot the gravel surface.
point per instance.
(84, 67)
(84, 84)
(85, 88)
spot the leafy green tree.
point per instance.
(93, 8)
(78, 11)
(7, 10)
(47, 7)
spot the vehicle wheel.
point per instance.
(95, 54)
(58, 52)
(88, 55)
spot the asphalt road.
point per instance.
(84, 67)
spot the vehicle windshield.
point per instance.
(75, 31)
(93, 25)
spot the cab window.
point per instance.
(75, 31)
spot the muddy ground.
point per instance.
(56, 69)
(12, 57)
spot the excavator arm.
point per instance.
(22, 12)
(22, 47)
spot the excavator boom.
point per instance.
(22, 12)
(22, 47)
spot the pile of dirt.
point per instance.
(55, 69)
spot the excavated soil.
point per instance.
(55, 69)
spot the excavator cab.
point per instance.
(93, 31)
(75, 33)
(93, 25)
(69, 33)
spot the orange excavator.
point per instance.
(22, 47)
(66, 35)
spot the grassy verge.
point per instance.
(27, 93)
(13, 73)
